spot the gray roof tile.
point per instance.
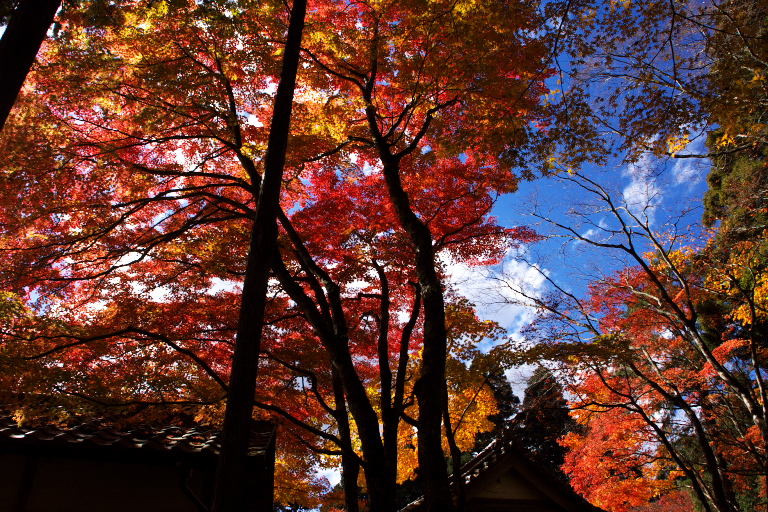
(103, 433)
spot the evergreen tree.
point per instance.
(544, 419)
(738, 182)
(508, 404)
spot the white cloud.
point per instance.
(496, 292)
(160, 294)
(686, 172)
(498, 295)
(219, 285)
(594, 233)
(518, 378)
(691, 171)
(254, 121)
(332, 474)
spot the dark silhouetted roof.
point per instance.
(103, 437)
(506, 448)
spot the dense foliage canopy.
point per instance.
(665, 358)
(134, 161)
(138, 154)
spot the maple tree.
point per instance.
(666, 351)
(419, 107)
(737, 80)
(231, 484)
(127, 244)
(670, 348)
(680, 500)
(655, 411)
(654, 77)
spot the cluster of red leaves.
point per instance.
(133, 169)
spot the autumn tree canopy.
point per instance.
(134, 159)
(664, 357)
(137, 167)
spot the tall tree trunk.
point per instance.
(456, 477)
(332, 331)
(231, 494)
(350, 466)
(19, 45)
(430, 386)
(390, 416)
(381, 488)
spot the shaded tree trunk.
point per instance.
(19, 45)
(390, 414)
(231, 486)
(331, 328)
(350, 466)
(430, 387)
(457, 478)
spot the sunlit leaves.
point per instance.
(133, 167)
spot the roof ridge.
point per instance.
(105, 433)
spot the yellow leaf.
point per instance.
(677, 144)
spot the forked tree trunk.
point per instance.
(231, 494)
(430, 387)
(332, 331)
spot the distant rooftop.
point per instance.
(506, 452)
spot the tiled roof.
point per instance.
(101, 434)
(506, 446)
(485, 460)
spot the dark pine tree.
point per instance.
(508, 404)
(543, 420)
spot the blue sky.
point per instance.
(667, 193)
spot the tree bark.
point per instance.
(19, 45)
(231, 494)
(456, 477)
(350, 466)
(390, 415)
(331, 328)
(430, 387)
